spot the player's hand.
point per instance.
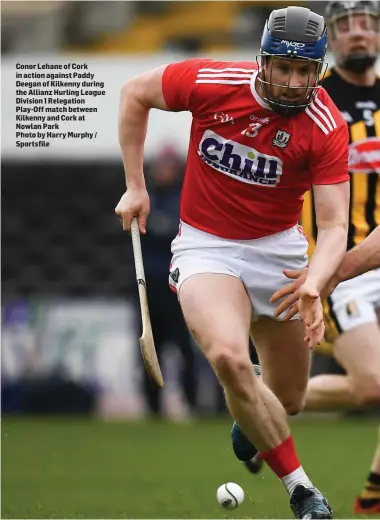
(134, 203)
(291, 291)
(311, 313)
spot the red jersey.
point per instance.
(248, 167)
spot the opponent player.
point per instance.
(359, 260)
(353, 324)
(260, 138)
(355, 305)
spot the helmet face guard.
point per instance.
(341, 23)
(295, 35)
(283, 107)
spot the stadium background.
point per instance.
(77, 440)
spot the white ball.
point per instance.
(230, 495)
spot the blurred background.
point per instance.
(70, 317)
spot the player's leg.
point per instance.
(358, 352)
(284, 357)
(284, 360)
(288, 386)
(356, 348)
(243, 449)
(368, 502)
(290, 393)
(218, 312)
(285, 364)
(263, 274)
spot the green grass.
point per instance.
(73, 468)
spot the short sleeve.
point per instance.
(178, 83)
(329, 161)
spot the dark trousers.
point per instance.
(168, 324)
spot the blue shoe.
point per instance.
(309, 503)
(243, 448)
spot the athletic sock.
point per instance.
(370, 494)
(284, 462)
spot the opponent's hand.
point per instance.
(134, 203)
(311, 313)
(291, 291)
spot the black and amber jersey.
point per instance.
(360, 107)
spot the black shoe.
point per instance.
(309, 503)
(255, 464)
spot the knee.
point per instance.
(233, 368)
(293, 405)
(367, 393)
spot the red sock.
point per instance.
(282, 459)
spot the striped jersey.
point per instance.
(360, 108)
(248, 168)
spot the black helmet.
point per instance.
(297, 33)
(358, 61)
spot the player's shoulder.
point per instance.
(227, 66)
(205, 71)
(323, 113)
(210, 65)
(225, 72)
(323, 98)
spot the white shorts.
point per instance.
(355, 301)
(258, 263)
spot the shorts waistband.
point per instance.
(267, 238)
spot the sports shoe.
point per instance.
(243, 448)
(309, 503)
(372, 509)
(255, 464)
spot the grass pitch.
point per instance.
(78, 468)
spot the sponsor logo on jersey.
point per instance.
(224, 118)
(281, 139)
(294, 45)
(364, 156)
(243, 163)
(261, 120)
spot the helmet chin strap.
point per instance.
(358, 62)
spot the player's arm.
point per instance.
(137, 97)
(330, 183)
(361, 259)
(331, 209)
(169, 87)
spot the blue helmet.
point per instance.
(293, 33)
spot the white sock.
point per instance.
(296, 478)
